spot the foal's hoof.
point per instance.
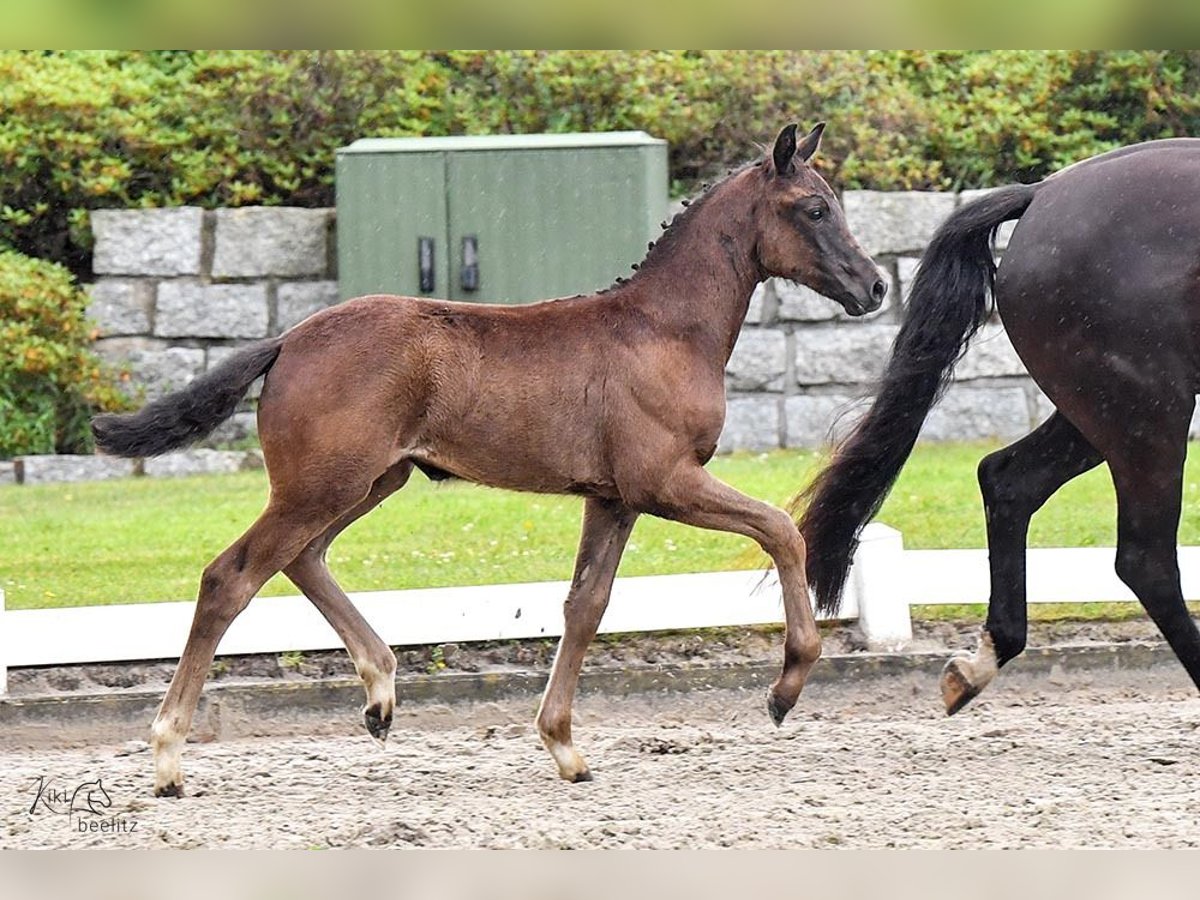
(174, 789)
(957, 688)
(377, 724)
(777, 708)
(580, 777)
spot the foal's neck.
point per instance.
(698, 279)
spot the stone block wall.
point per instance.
(176, 288)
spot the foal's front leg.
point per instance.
(606, 528)
(693, 496)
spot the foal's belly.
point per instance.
(537, 454)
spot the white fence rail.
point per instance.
(885, 581)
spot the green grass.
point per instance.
(148, 539)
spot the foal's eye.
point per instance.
(816, 215)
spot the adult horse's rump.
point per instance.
(1099, 290)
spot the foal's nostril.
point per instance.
(879, 290)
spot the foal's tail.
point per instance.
(190, 414)
(949, 302)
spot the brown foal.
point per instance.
(618, 397)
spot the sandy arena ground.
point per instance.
(1088, 760)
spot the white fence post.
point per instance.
(876, 577)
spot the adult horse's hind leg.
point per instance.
(1149, 484)
(1015, 482)
(1140, 426)
(606, 528)
(228, 584)
(373, 659)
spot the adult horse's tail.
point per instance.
(190, 414)
(948, 303)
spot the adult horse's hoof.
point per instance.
(377, 724)
(777, 709)
(174, 789)
(958, 689)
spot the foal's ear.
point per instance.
(785, 149)
(811, 142)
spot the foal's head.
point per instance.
(802, 231)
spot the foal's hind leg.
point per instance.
(693, 496)
(606, 528)
(373, 659)
(1015, 482)
(227, 586)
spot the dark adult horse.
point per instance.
(618, 397)
(1099, 289)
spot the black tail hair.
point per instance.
(190, 414)
(949, 302)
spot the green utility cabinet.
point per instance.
(503, 219)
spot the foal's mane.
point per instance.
(677, 228)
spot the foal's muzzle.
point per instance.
(857, 305)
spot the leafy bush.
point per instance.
(93, 129)
(50, 383)
(89, 129)
(1011, 115)
(709, 105)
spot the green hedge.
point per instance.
(50, 382)
(1010, 115)
(83, 130)
(86, 130)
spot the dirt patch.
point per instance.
(1046, 758)
(1092, 759)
